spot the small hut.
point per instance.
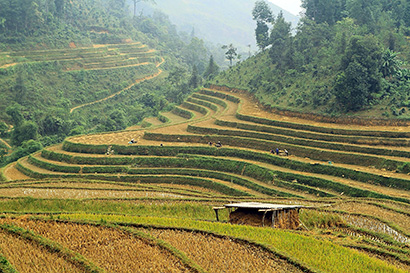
(263, 214)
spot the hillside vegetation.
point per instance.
(57, 55)
(346, 58)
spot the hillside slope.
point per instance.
(338, 63)
(221, 22)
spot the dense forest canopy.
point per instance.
(347, 56)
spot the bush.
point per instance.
(405, 168)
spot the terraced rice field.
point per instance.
(354, 174)
(87, 58)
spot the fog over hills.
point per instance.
(222, 22)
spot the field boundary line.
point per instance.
(146, 78)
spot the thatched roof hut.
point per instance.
(263, 214)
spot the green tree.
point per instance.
(195, 79)
(51, 125)
(211, 70)
(324, 11)
(231, 53)
(262, 35)
(2, 22)
(26, 131)
(365, 12)
(263, 16)
(196, 53)
(27, 147)
(177, 75)
(360, 75)
(3, 128)
(390, 63)
(262, 12)
(14, 111)
(279, 39)
(20, 88)
(59, 4)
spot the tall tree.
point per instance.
(195, 79)
(14, 111)
(324, 11)
(360, 74)
(26, 131)
(390, 63)
(195, 54)
(279, 39)
(262, 35)
(264, 17)
(59, 4)
(212, 69)
(231, 53)
(365, 12)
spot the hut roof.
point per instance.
(262, 206)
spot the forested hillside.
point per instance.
(347, 57)
(56, 55)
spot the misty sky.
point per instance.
(293, 6)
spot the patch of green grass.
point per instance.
(318, 255)
(190, 210)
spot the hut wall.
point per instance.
(286, 219)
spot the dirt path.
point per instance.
(5, 143)
(126, 88)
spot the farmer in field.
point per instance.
(286, 152)
(277, 151)
(218, 144)
(132, 141)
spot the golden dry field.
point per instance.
(97, 203)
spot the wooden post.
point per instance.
(263, 218)
(216, 209)
(290, 218)
(273, 218)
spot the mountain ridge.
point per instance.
(216, 21)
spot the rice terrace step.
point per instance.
(210, 151)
